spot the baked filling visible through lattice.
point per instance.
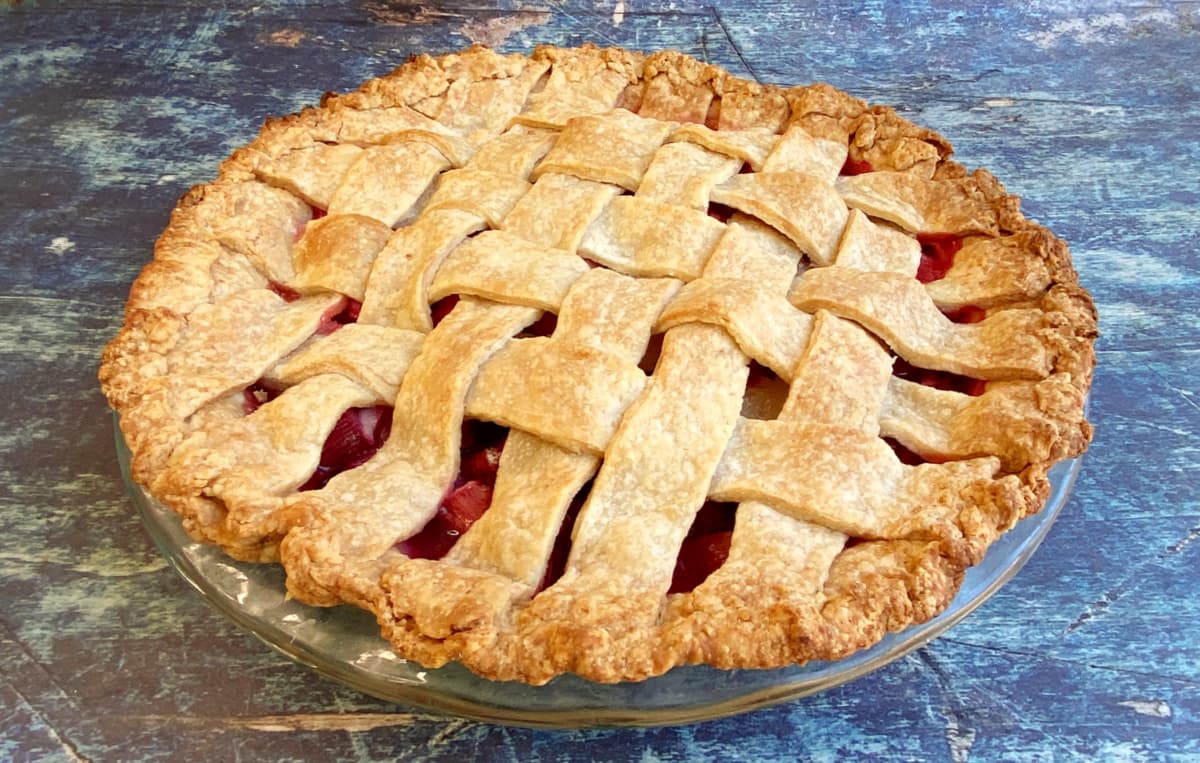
(604, 363)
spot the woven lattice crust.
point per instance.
(636, 199)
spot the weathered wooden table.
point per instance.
(108, 111)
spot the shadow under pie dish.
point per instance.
(600, 363)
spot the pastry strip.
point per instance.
(361, 513)
(797, 151)
(1021, 423)
(873, 247)
(605, 312)
(557, 211)
(748, 146)
(842, 378)
(815, 472)
(636, 517)
(241, 469)
(256, 221)
(995, 271)
(614, 148)
(765, 326)
(336, 253)
(685, 174)
(646, 238)
(1010, 344)
(503, 267)
(803, 207)
(312, 173)
(375, 357)
(574, 88)
(222, 348)
(387, 181)
(515, 153)
(398, 288)
(783, 557)
(570, 395)
(369, 127)
(490, 194)
(919, 205)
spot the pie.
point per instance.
(597, 362)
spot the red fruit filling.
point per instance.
(856, 167)
(937, 255)
(966, 314)
(356, 436)
(288, 293)
(481, 445)
(442, 308)
(720, 212)
(543, 326)
(339, 315)
(317, 214)
(706, 546)
(908, 457)
(650, 356)
(938, 379)
(562, 542)
(467, 498)
(760, 375)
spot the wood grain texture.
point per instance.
(109, 111)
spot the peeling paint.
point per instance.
(98, 141)
(60, 245)
(495, 31)
(38, 64)
(1102, 29)
(111, 563)
(383, 13)
(1147, 269)
(1155, 708)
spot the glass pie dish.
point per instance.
(343, 643)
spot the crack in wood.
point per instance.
(737, 49)
(1051, 659)
(561, 11)
(1125, 586)
(69, 748)
(36, 664)
(960, 730)
(1185, 394)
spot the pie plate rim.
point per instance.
(253, 597)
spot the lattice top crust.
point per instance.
(603, 363)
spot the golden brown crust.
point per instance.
(888, 142)
(824, 111)
(813, 571)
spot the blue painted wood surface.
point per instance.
(108, 111)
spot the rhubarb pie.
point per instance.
(596, 362)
